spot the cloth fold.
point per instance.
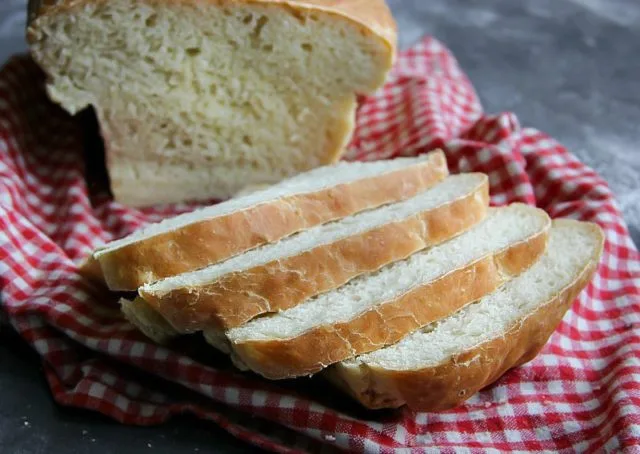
(581, 393)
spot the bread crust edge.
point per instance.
(212, 240)
(385, 324)
(236, 298)
(450, 383)
(373, 16)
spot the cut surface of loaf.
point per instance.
(196, 99)
(379, 309)
(448, 361)
(281, 275)
(216, 233)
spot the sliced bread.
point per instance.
(196, 99)
(210, 235)
(148, 321)
(446, 362)
(379, 309)
(282, 275)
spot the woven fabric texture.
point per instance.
(582, 393)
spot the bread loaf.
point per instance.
(197, 99)
(446, 362)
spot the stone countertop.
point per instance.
(566, 67)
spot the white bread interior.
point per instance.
(197, 99)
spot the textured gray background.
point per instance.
(567, 67)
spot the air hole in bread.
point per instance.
(299, 16)
(267, 48)
(257, 31)
(247, 19)
(151, 21)
(193, 51)
(306, 47)
(247, 140)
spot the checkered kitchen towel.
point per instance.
(581, 393)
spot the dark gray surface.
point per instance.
(569, 68)
(31, 422)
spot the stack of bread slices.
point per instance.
(393, 279)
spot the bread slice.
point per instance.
(379, 309)
(282, 275)
(198, 98)
(148, 321)
(216, 233)
(445, 363)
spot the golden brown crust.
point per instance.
(388, 323)
(209, 241)
(374, 16)
(449, 384)
(148, 321)
(90, 269)
(239, 297)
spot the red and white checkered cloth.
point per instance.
(582, 393)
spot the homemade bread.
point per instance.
(281, 275)
(197, 99)
(148, 321)
(446, 362)
(216, 233)
(379, 309)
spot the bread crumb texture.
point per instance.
(199, 99)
